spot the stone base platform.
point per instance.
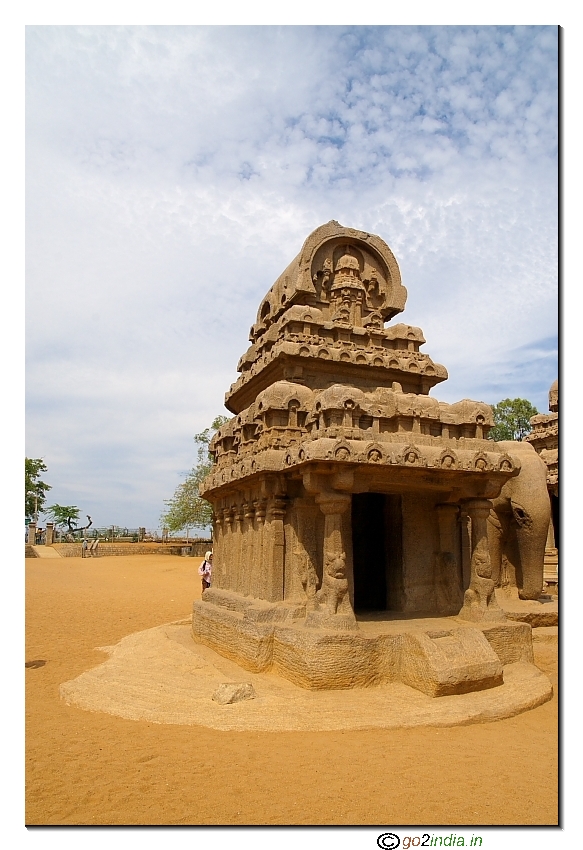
(438, 656)
(545, 634)
(161, 676)
(536, 612)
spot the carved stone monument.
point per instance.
(351, 508)
(545, 440)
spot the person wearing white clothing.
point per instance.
(205, 570)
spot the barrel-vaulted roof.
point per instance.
(300, 282)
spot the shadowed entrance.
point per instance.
(377, 555)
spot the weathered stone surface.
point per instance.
(540, 617)
(229, 692)
(161, 676)
(341, 487)
(248, 643)
(449, 661)
(439, 656)
(545, 634)
(512, 642)
(536, 612)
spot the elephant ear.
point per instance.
(521, 515)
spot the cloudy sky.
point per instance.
(173, 173)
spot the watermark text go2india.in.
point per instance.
(392, 841)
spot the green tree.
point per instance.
(512, 419)
(66, 516)
(186, 508)
(35, 490)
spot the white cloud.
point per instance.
(173, 173)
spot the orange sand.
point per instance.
(93, 768)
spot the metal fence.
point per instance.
(123, 534)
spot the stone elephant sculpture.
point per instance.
(518, 524)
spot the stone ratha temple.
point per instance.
(351, 507)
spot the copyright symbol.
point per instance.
(388, 841)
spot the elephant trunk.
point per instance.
(531, 535)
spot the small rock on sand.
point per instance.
(228, 692)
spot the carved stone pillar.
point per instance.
(333, 599)
(242, 571)
(333, 506)
(465, 532)
(238, 549)
(304, 554)
(31, 533)
(257, 570)
(348, 412)
(293, 415)
(226, 560)
(217, 538)
(248, 535)
(292, 588)
(448, 590)
(479, 599)
(274, 574)
(221, 548)
(50, 534)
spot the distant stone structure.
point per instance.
(50, 534)
(545, 440)
(351, 508)
(31, 533)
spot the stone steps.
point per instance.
(45, 552)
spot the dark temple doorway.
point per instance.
(376, 549)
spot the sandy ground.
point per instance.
(86, 767)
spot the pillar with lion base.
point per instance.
(333, 608)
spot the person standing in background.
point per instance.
(205, 570)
